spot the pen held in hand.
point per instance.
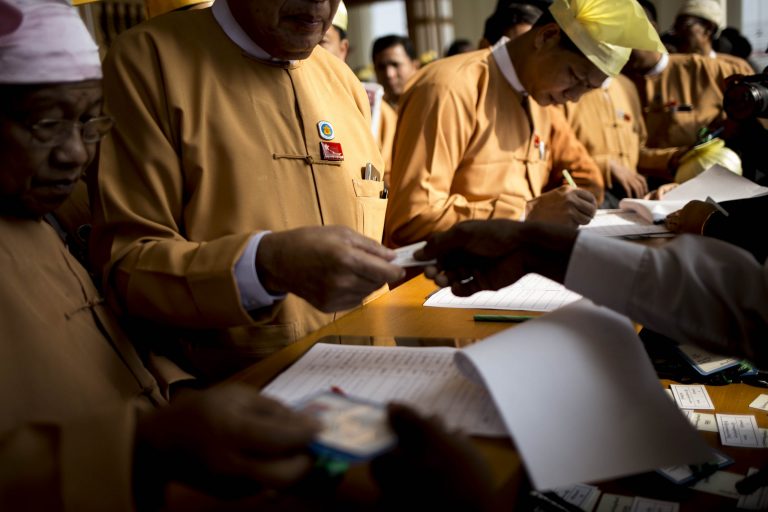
(569, 178)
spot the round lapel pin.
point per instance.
(325, 129)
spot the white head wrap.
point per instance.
(606, 31)
(709, 10)
(341, 19)
(50, 45)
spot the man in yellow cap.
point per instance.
(477, 139)
(233, 216)
(335, 39)
(697, 25)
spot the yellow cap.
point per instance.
(704, 156)
(606, 31)
(341, 19)
(158, 7)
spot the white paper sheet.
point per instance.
(702, 421)
(621, 223)
(581, 399)
(761, 402)
(531, 293)
(615, 503)
(693, 396)
(648, 505)
(716, 182)
(425, 378)
(738, 430)
(404, 256)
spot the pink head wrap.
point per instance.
(45, 41)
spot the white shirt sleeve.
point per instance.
(253, 295)
(693, 289)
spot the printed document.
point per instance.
(531, 293)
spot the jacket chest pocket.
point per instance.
(369, 207)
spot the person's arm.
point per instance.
(737, 227)
(80, 464)
(433, 130)
(148, 266)
(693, 290)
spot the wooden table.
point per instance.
(400, 313)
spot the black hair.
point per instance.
(459, 46)
(508, 16)
(385, 42)
(650, 10)
(732, 41)
(342, 33)
(565, 41)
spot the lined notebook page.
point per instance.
(622, 223)
(531, 293)
(425, 378)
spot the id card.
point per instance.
(353, 430)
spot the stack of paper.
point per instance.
(574, 389)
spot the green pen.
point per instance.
(502, 318)
(569, 178)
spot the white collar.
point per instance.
(504, 61)
(223, 16)
(659, 67)
(712, 54)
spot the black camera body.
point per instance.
(746, 97)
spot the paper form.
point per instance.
(648, 505)
(692, 396)
(761, 402)
(702, 421)
(425, 378)
(580, 495)
(622, 223)
(581, 399)
(615, 503)
(716, 182)
(531, 293)
(738, 430)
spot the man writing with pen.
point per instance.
(478, 137)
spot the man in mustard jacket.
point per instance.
(232, 215)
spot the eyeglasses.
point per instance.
(54, 132)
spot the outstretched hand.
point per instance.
(488, 255)
(333, 268)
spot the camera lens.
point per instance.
(745, 100)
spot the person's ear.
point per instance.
(547, 37)
(344, 48)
